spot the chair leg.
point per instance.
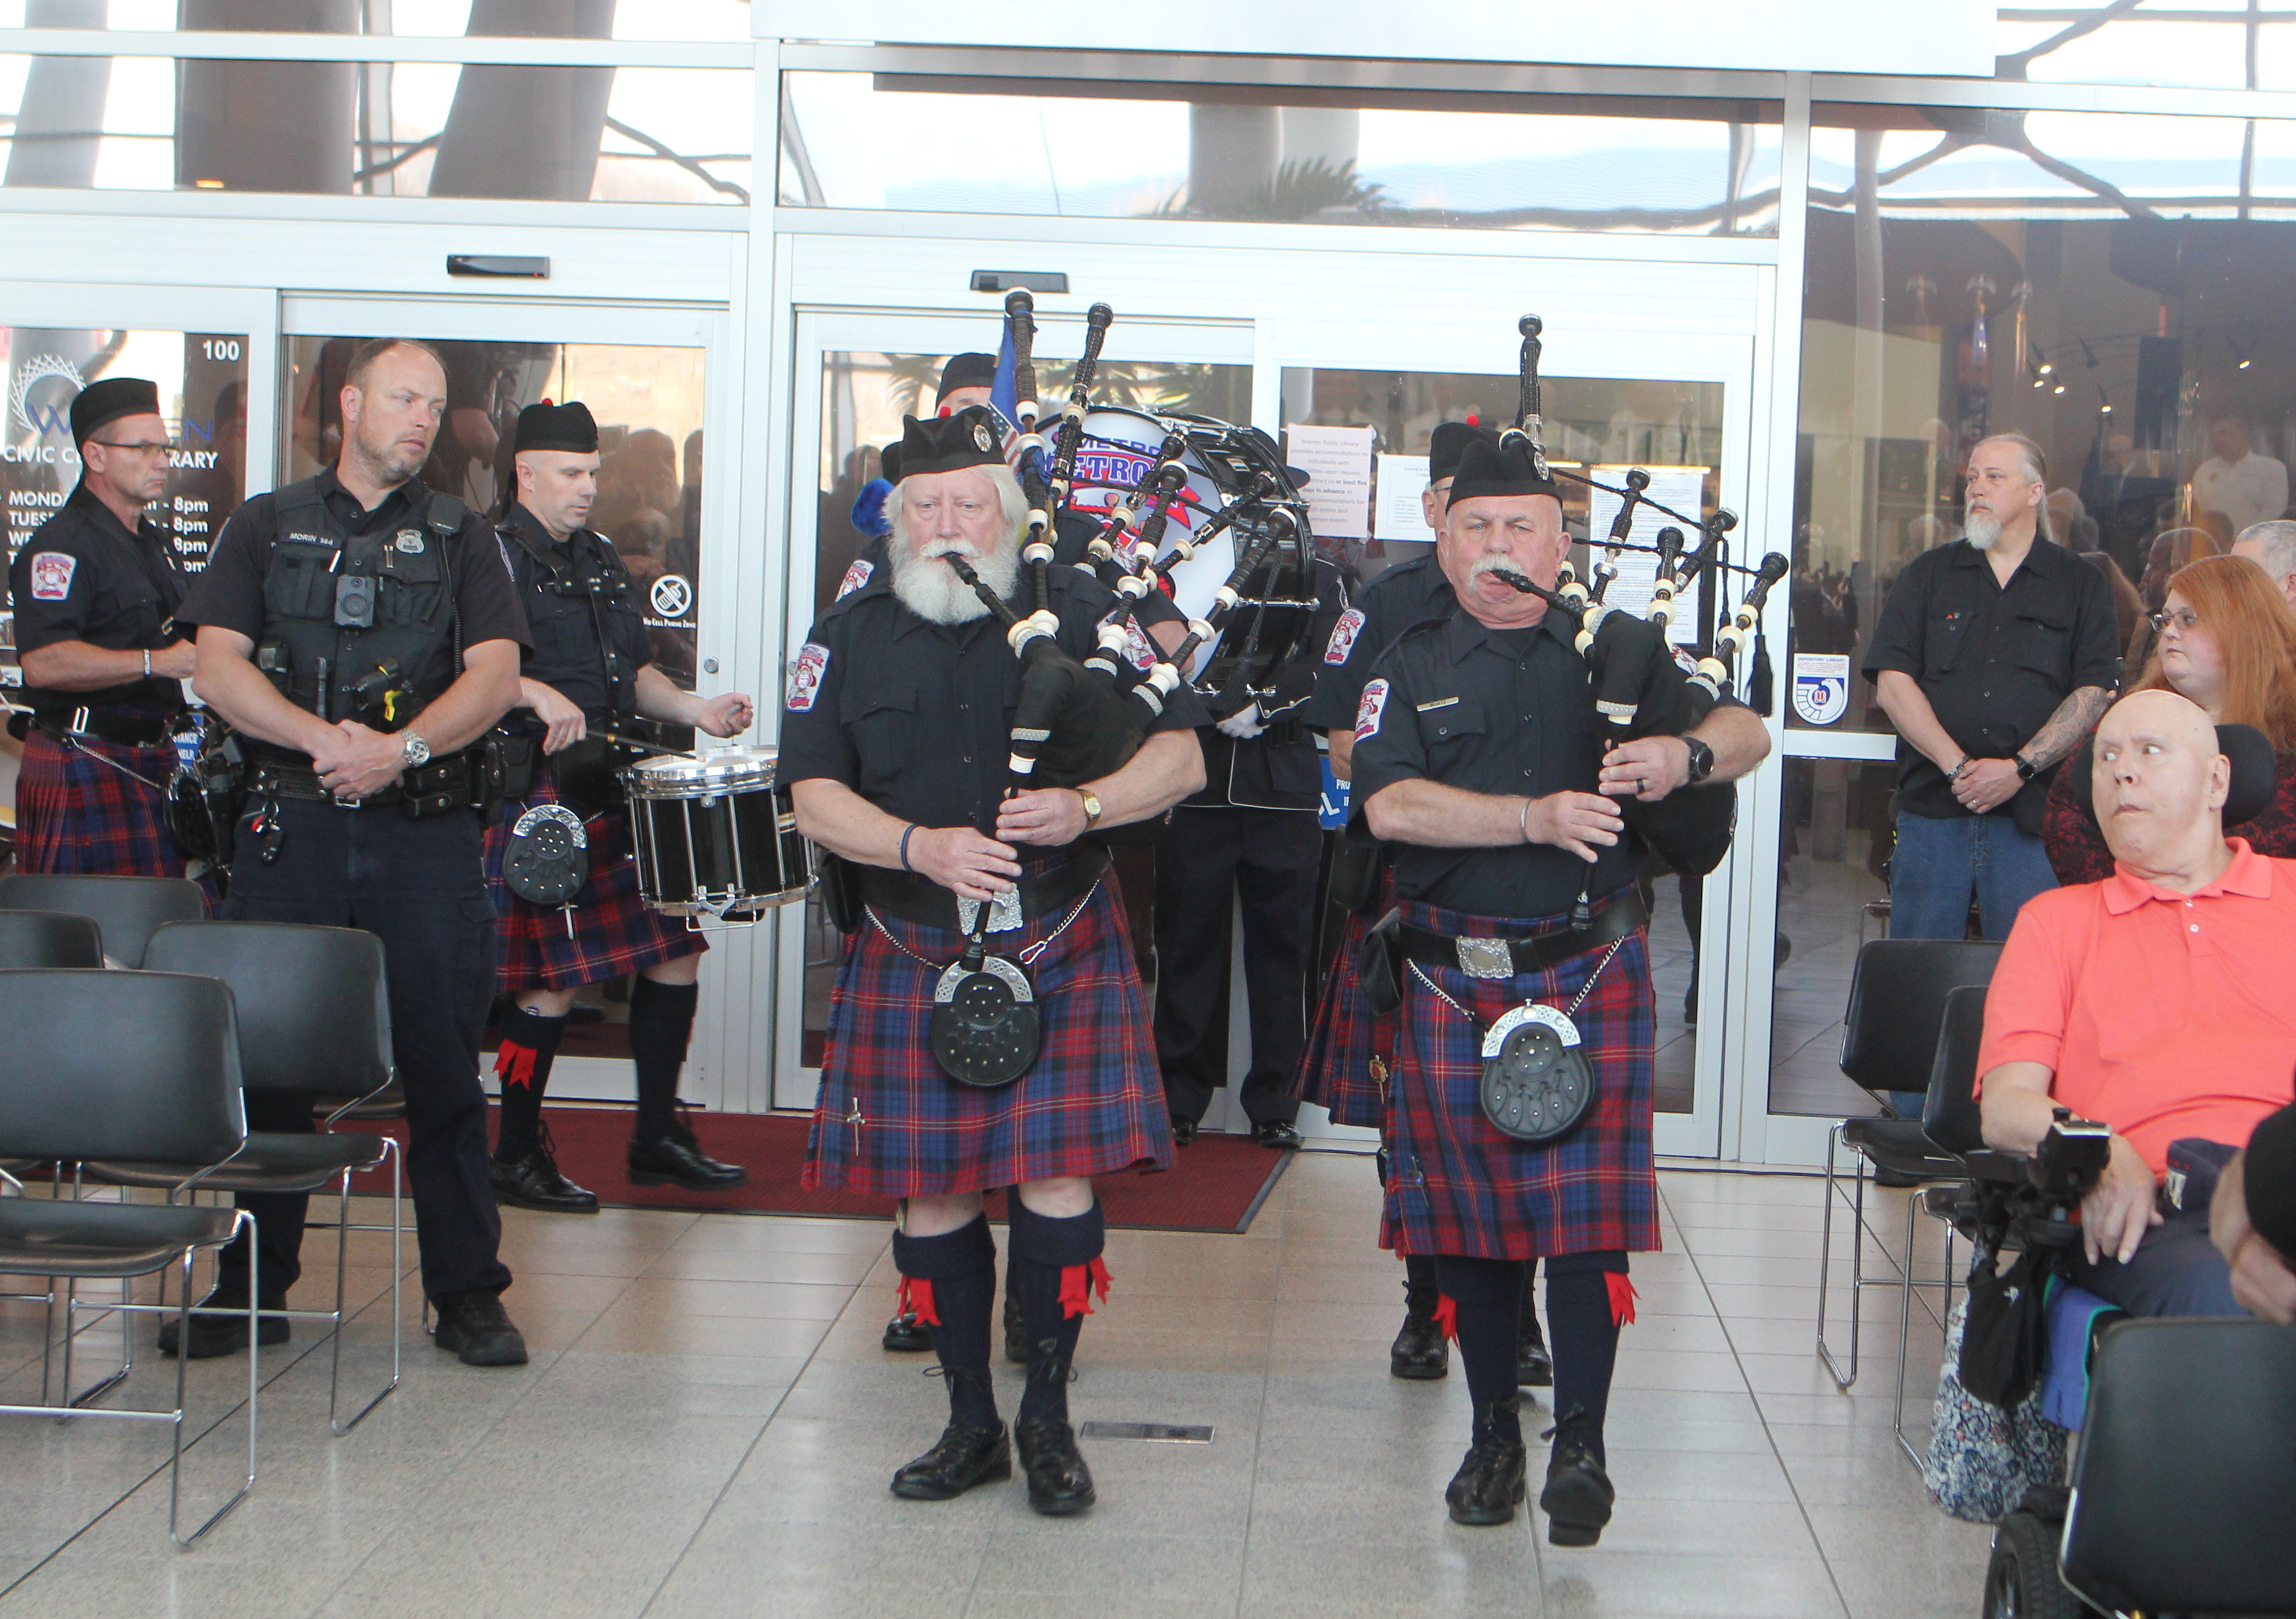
(1905, 1335)
(342, 1243)
(1841, 1379)
(254, 1386)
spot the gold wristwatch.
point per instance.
(1091, 811)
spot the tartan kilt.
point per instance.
(75, 815)
(890, 1121)
(1459, 1185)
(613, 932)
(1335, 1068)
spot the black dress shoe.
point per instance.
(219, 1328)
(1275, 1133)
(1489, 1486)
(1060, 1486)
(1534, 1368)
(906, 1335)
(1184, 1130)
(966, 1454)
(676, 1158)
(534, 1182)
(1016, 1331)
(1420, 1351)
(1577, 1497)
(477, 1329)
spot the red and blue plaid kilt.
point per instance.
(77, 815)
(613, 933)
(890, 1121)
(1457, 1184)
(1335, 1067)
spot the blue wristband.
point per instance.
(905, 866)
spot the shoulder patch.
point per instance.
(1368, 710)
(856, 576)
(1137, 649)
(805, 679)
(503, 552)
(51, 575)
(1682, 657)
(1344, 636)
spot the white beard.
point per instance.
(1982, 530)
(929, 588)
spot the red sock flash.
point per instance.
(514, 1064)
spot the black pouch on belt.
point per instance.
(1355, 868)
(840, 890)
(520, 755)
(589, 775)
(1379, 964)
(986, 1025)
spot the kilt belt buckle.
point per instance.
(1485, 958)
(1004, 913)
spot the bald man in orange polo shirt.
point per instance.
(2155, 1002)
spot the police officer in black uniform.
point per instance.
(1251, 833)
(95, 593)
(361, 633)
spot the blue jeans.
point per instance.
(1939, 863)
(2176, 1271)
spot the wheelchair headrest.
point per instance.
(2253, 774)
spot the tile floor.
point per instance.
(709, 1424)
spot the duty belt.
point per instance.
(1488, 958)
(432, 788)
(121, 729)
(925, 903)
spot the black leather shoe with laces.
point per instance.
(1184, 1130)
(1278, 1133)
(906, 1335)
(966, 1454)
(220, 1327)
(477, 1329)
(1420, 1352)
(534, 1182)
(1060, 1486)
(1577, 1497)
(1534, 1368)
(676, 1158)
(1489, 1486)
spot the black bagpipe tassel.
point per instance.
(1758, 677)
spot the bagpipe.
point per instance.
(1641, 688)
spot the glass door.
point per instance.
(655, 380)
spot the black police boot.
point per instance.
(1016, 1331)
(675, 1158)
(1420, 1352)
(1184, 1130)
(906, 1335)
(534, 1182)
(1534, 1368)
(1489, 1486)
(1281, 1134)
(966, 1454)
(1579, 1495)
(476, 1329)
(1060, 1486)
(220, 1327)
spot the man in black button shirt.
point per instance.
(351, 628)
(590, 671)
(94, 591)
(1478, 756)
(1996, 654)
(895, 735)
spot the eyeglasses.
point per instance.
(134, 449)
(2183, 621)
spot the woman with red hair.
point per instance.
(2226, 638)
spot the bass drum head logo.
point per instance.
(1821, 686)
(50, 412)
(672, 596)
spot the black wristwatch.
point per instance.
(2026, 769)
(1702, 760)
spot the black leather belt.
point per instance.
(1485, 958)
(121, 730)
(925, 903)
(286, 781)
(448, 783)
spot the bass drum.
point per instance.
(717, 836)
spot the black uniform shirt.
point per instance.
(917, 716)
(83, 577)
(1410, 593)
(229, 594)
(1505, 712)
(1994, 662)
(1281, 768)
(565, 631)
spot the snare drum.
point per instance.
(717, 836)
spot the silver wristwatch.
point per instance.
(417, 750)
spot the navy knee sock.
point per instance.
(529, 1045)
(1587, 1298)
(1483, 1297)
(948, 1280)
(1054, 1268)
(1418, 1284)
(662, 1027)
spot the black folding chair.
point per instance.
(2180, 1498)
(132, 1064)
(44, 938)
(128, 909)
(1889, 1042)
(313, 1016)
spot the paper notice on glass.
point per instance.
(1337, 460)
(1680, 488)
(1400, 516)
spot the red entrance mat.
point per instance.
(1218, 1186)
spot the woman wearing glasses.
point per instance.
(2225, 637)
